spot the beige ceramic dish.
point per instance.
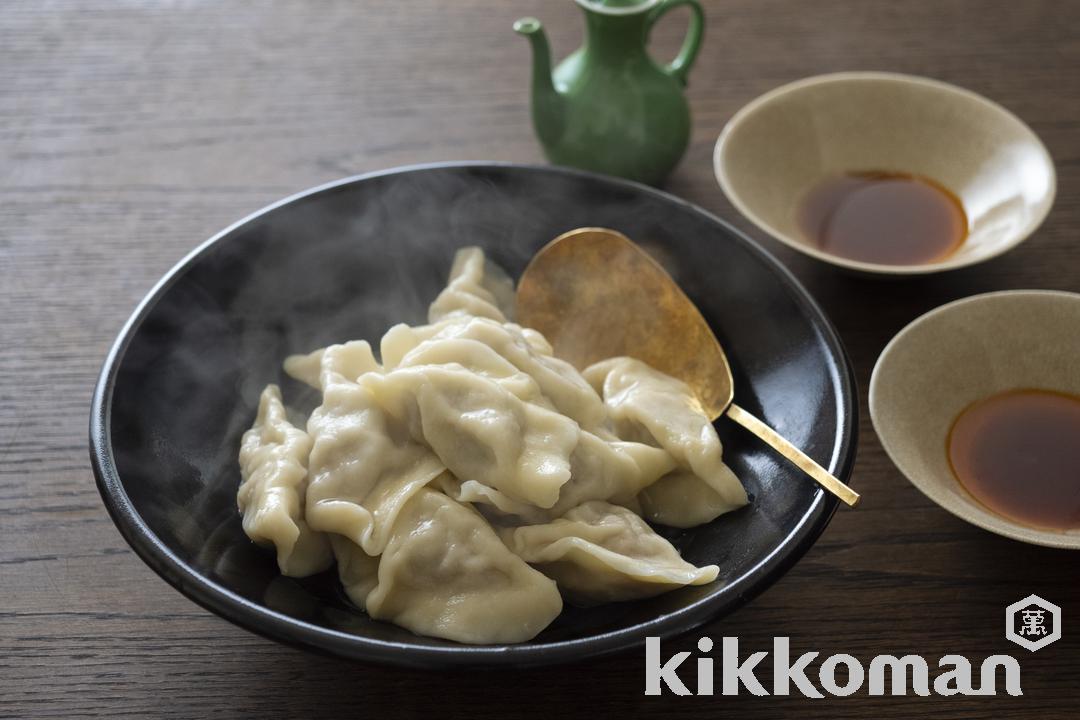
(786, 141)
(955, 355)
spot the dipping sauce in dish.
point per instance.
(885, 218)
(1018, 453)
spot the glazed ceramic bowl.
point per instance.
(350, 259)
(957, 354)
(774, 150)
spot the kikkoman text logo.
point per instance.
(840, 674)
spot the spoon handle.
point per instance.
(794, 454)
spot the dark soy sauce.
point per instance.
(884, 218)
(1018, 453)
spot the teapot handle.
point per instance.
(679, 68)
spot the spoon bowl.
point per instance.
(587, 321)
(594, 294)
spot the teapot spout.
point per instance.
(546, 100)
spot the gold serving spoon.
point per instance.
(594, 294)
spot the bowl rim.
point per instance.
(309, 636)
(734, 197)
(970, 513)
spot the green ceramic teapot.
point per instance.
(609, 107)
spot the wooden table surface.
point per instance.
(130, 131)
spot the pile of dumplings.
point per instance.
(470, 481)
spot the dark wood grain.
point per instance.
(130, 131)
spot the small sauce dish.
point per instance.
(782, 147)
(964, 352)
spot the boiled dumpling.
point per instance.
(599, 470)
(479, 359)
(649, 406)
(477, 287)
(471, 344)
(495, 505)
(615, 471)
(600, 553)
(358, 571)
(528, 453)
(481, 431)
(273, 468)
(681, 499)
(364, 467)
(516, 357)
(348, 360)
(401, 338)
(446, 574)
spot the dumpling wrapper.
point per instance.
(600, 553)
(518, 358)
(363, 466)
(477, 287)
(480, 359)
(535, 458)
(445, 573)
(348, 360)
(599, 470)
(401, 338)
(479, 430)
(548, 380)
(358, 571)
(274, 478)
(652, 407)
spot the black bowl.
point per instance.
(349, 259)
